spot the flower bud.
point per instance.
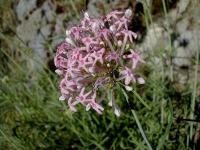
(117, 112)
(128, 13)
(127, 46)
(110, 103)
(86, 15)
(113, 28)
(140, 80)
(95, 27)
(128, 88)
(68, 40)
(119, 43)
(102, 43)
(68, 33)
(108, 65)
(59, 72)
(88, 106)
(62, 98)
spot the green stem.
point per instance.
(74, 8)
(136, 118)
(169, 39)
(141, 100)
(141, 130)
(192, 106)
(137, 95)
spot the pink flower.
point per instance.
(72, 104)
(76, 32)
(105, 34)
(114, 15)
(89, 42)
(60, 60)
(135, 58)
(90, 60)
(82, 98)
(113, 56)
(92, 103)
(98, 56)
(100, 82)
(63, 90)
(127, 75)
(127, 35)
(122, 23)
(86, 20)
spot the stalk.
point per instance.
(141, 130)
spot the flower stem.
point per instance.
(141, 100)
(141, 130)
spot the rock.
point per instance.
(24, 7)
(182, 25)
(155, 38)
(185, 49)
(37, 26)
(27, 30)
(99, 7)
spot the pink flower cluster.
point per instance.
(97, 53)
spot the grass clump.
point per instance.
(31, 117)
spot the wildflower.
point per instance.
(92, 103)
(72, 104)
(89, 42)
(114, 15)
(122, 23)
(105, 35)
(127, 36)
(113, 29)
(113, 56)
(75, 32)
(83, 97)
(98, 56)
(127, 75)
(135, 58)
(95, 55)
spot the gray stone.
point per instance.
(24, 7)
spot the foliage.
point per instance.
(31, 117)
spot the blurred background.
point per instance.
(31, 117)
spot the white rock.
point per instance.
(24, 7)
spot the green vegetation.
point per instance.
(31, 117)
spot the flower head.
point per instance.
(93, 57)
